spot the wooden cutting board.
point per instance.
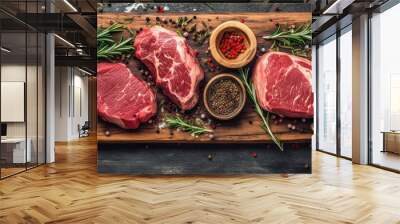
(243, 129)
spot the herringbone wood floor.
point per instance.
(70, 191)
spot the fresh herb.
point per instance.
(181, 25)
(244, 75)
(294, 39)
(182, 22)
(179, 32)
(105, 35)
(202, 36)
(177, 122)
(107, 48)
(110, 51)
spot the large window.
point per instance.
(385, 89)
(346, 92)
(334, 115)
(327, 96)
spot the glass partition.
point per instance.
(31, 99)
(22, 77)
(327, 96)
(14, 151)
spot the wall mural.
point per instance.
(204, 76)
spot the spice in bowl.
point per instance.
(224, 96)
(232, 44)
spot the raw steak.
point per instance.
(172, 63)
(122, 97)
(283, 84)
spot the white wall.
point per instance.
(71, 94)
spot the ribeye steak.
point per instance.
(173, 64)
(283, 84)
(122, 97)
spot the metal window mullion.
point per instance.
(37, 91)
(338, 95)
(369, 100)
(26, 88)
(316, 96)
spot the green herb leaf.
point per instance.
(292, 39)
(251, 92)
(107, 48)
(177, 122)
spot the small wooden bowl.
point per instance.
(242, 96)
(250, 41)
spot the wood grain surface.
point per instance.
(72, 191)
(243, 129)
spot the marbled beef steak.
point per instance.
(173, 64)
(283, 84)
(122, 97)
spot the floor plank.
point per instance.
(71, 191)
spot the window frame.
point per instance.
(337, 34)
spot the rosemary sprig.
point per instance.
(105, 35)
(107, 48)
(294, 39)
(177, 122)
(244, 75)
(110, 51)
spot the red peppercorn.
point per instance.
(232, 44)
